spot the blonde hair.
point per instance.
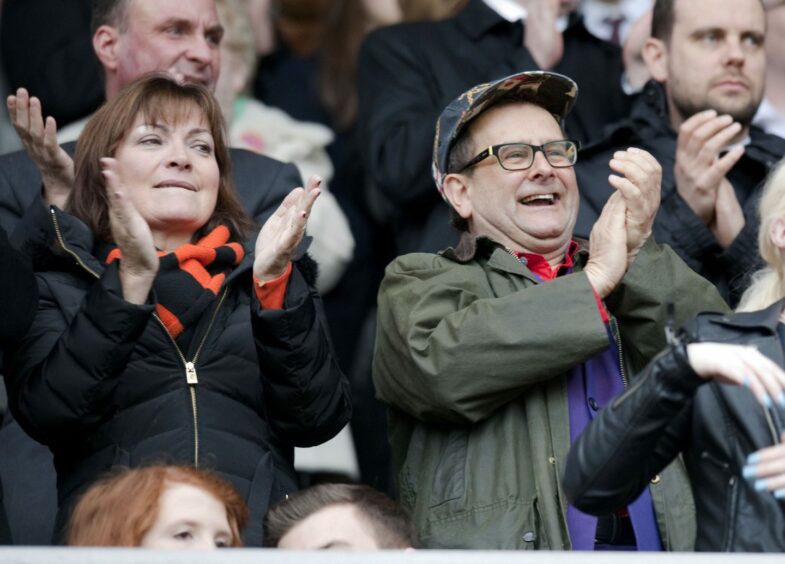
(768, 284)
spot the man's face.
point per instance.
(716, 59)
(503, 205)
(180, 37)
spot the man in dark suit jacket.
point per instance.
(407, 73)
(131, 38)
(45, 46)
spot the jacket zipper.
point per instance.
(60, 239)
(617, 336)
(732, 505)
(191, 377)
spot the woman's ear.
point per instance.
(456, 190)
(655, 55)
(777, 233)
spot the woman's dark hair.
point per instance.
(158, 99)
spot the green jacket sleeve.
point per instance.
(455, 342)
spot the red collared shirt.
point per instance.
(542, 269)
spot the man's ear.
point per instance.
(777, 233)
(655, 55)
(456, 190)
(105, 44)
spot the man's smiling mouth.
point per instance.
(540, 200)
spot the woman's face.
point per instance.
(188, 517)
(170, 172)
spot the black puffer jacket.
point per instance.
(102, 383)
(18, 295)
(648, 127)
(670, 410)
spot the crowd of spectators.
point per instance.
(457, 254)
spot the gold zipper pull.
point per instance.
(190, 373)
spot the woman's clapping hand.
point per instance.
(132, 235)
(283, 232)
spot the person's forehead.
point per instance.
(336, 525)
(181, 114)
(515, 121)
(151, 12)
(691, 15)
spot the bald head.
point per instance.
(135, 37)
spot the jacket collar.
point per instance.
(767, 318)
(477, 18)
(471, 248)
(650, 118)
(73, 239)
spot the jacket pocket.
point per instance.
(449, 477)
(731, 497)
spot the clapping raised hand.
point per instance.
(39, 138)
(283, 231)
(132, 235)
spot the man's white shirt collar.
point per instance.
(511, 11)
(596, 13)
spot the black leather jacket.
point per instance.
(670, 410)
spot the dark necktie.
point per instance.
(615, 25)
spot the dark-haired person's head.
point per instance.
(135, 37)
(709, 54)
(339, 516)
(159, 507)
(162, 133)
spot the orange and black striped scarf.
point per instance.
(190, 278)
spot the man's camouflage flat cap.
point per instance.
(554, 92)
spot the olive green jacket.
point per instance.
(473, 369)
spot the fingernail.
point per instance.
(781, 399)
(749, 472)
(779, 494)
(746, 380)
(760, 485)
(753, 458)
(767, 400)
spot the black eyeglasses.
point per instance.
(520, 156)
